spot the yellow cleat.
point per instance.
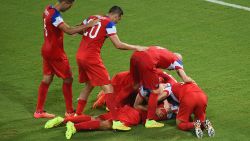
(117, 125)
(153, 124)
(53, 122)
(71, 130)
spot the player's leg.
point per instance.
(42, 94)
(83, 97)
(200, 114)
(150, 79)
(112, 106)
(100, 101)
(187, 106)
(88, 125)
(62, 69)
(59, 120)
(67, 93)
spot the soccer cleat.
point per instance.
(43, 115)
(117, 125)
(53, 122)
(197, 128)
(210, 130)
(153, 124)
(71, 130)
(69, 114)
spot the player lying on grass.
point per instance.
(92, 71)
(143, 68)
(55, 61)
(192, 100)
(128, 115)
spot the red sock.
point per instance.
(111, 104)
(152, 104)
(67, 93)
(77, 119)
(185, 126)
(42, 94)
(88, 125)
(80, 106)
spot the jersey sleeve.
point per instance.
(176, 65)
(111, 29)
(57, 19)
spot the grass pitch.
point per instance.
(213, 39)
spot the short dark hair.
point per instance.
(69, 1)
(116, 10)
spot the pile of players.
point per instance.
(143, 95)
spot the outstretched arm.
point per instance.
(184, 76)
(77, 29)
(124, 46)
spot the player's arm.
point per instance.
(184, 76)
(139, 103)
(77, 29)
(124, 46)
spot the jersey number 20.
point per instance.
(94, 30)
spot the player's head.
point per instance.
(65, 4)
(178, 55)
(115, 13)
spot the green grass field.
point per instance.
(213, 39)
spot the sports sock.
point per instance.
(80, 106)
(185, 126)
(88, 125)
(111, 104)
(152, 104)
(77, 119)
(67, 93)
(42, 94)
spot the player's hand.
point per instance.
(93, 23)
(159, 113)
(140, 48)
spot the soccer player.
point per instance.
(192, 101)
(143, 68)
(55, 61)
(128, 115)
(92, 71)
(124, 90)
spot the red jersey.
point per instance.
(164, 58)
(93, 38)
(53, 37)
(179, 90)
(123, 88)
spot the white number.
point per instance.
(91, 34)
(44, 26)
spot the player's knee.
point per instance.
(47, 79)
(105, 125)
(68, 80)
(107, 88)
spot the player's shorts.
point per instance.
(59, 67)
(143, 70)
(95, 73)
(127, 115)
(192, 103)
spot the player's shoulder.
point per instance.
(51, 11)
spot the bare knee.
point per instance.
(105, 125)
(47, 79)
(107, 88)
